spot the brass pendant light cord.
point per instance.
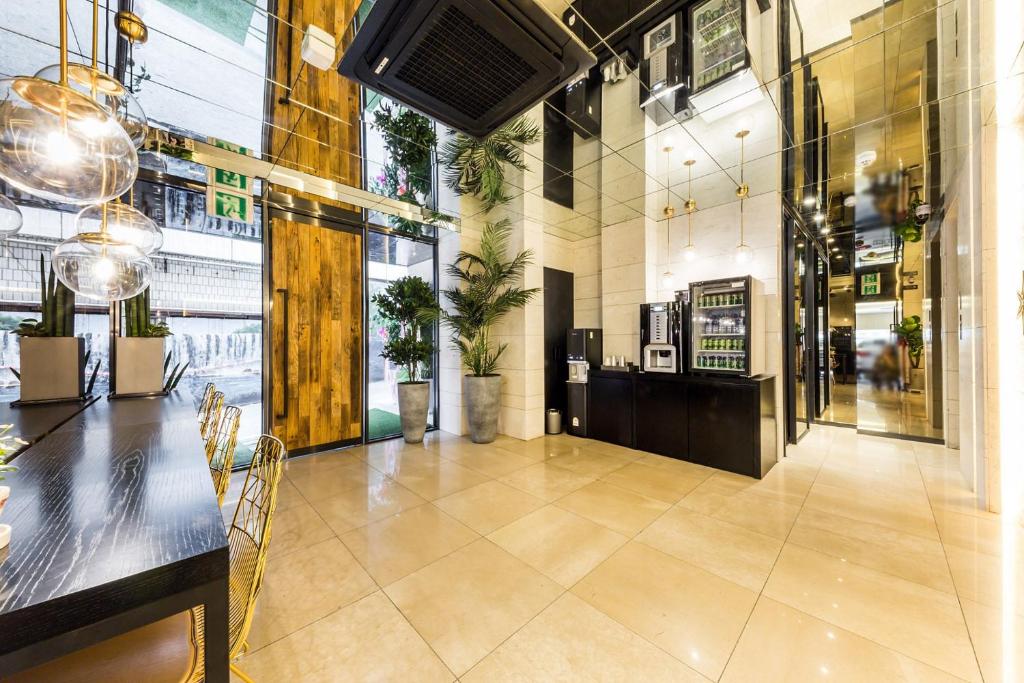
(63, 42)
(95, 34)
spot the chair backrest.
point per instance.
(204, 405)
(249, 536)
(220, 450)
(208, 427)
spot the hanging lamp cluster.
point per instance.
(70, 134)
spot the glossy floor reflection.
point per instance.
(857, 558)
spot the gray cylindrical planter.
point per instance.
(413, 403)
(483, 402)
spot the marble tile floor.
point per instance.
(561, 559)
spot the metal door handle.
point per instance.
(283, 413)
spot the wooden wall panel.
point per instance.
(315, 127)
(321, 271)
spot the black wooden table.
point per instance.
(32, 422)
(115, 525)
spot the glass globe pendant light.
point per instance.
(124, 223)
(744, 253)
(10, 218)
(59, 144)
(99, 266)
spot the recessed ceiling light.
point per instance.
(835, 249)
(819, 217)
(825, 230)
(839, 256)
(799, 245)
(810, 200)
(831, 240)
(850, 201)
(865, 159)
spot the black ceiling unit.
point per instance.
(471, 64)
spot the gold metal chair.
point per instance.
(208, 427)
(220, 450)
(204, 405)
(173, 649)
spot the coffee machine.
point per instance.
(660, 337)
(583, 349)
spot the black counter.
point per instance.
(724, 422)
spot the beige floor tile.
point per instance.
(688, 612)
(732, 552)
(654, 482)
(366, 641)
(467, 603)
(917, 621)
(730, 498)
(360, 506)
(999, 644)
(981, 532)
(315, 485)
(537, 450)
(297, 527)
(981, 577)
(614, 450)
(947, 489)
(866, 506)
(435, 477)
(674, 465)
(488, 506)
(572, 641)
(546, 481)
(492, 461)
(617, 508)
(782, 644)
(287, 496)
(589, 463)
(287, 602)
(559, 544)
(910, 557)
(399, 545)
(319, 462)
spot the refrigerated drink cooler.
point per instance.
(727, 327)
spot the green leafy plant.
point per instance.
(58, 308)
(177, 372)
(8, 444)
(908, 230)
(912, 332)
(486, 292)
(402, 306)
(477, 167)
(409, 139)
(137, 318)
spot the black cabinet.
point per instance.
(728, 423)
(610, 408)
(661, 417)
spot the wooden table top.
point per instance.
(113, 508)
(33, 422)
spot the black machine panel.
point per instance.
(471, 64)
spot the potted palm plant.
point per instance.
(486, 292)
(139, 364)
(402, 305)
(52, 357)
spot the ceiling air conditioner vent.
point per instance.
(472, 64)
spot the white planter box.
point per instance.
(52, 369)
(138, 365)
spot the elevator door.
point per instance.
(316, 333)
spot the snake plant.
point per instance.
(58, 308)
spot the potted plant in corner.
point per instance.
(139, 354)
(486, 292)
(402, 305)
(912, 334)
(52, 357)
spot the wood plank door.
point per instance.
(316, 334)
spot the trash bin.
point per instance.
(554, 422)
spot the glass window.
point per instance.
(391, 257)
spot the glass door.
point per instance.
(390, 257)
(822, 347)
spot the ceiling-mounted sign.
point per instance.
(871, 284)
(229, 193)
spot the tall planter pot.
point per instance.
(138, 365)
(483, 402)
(413, 403)
(52, 368)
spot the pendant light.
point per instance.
(104, 89)
(124, 223)
(99, 266)
(10, 218)
(668, 278)
(59, 144)
(744, 254)
(689, 251)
